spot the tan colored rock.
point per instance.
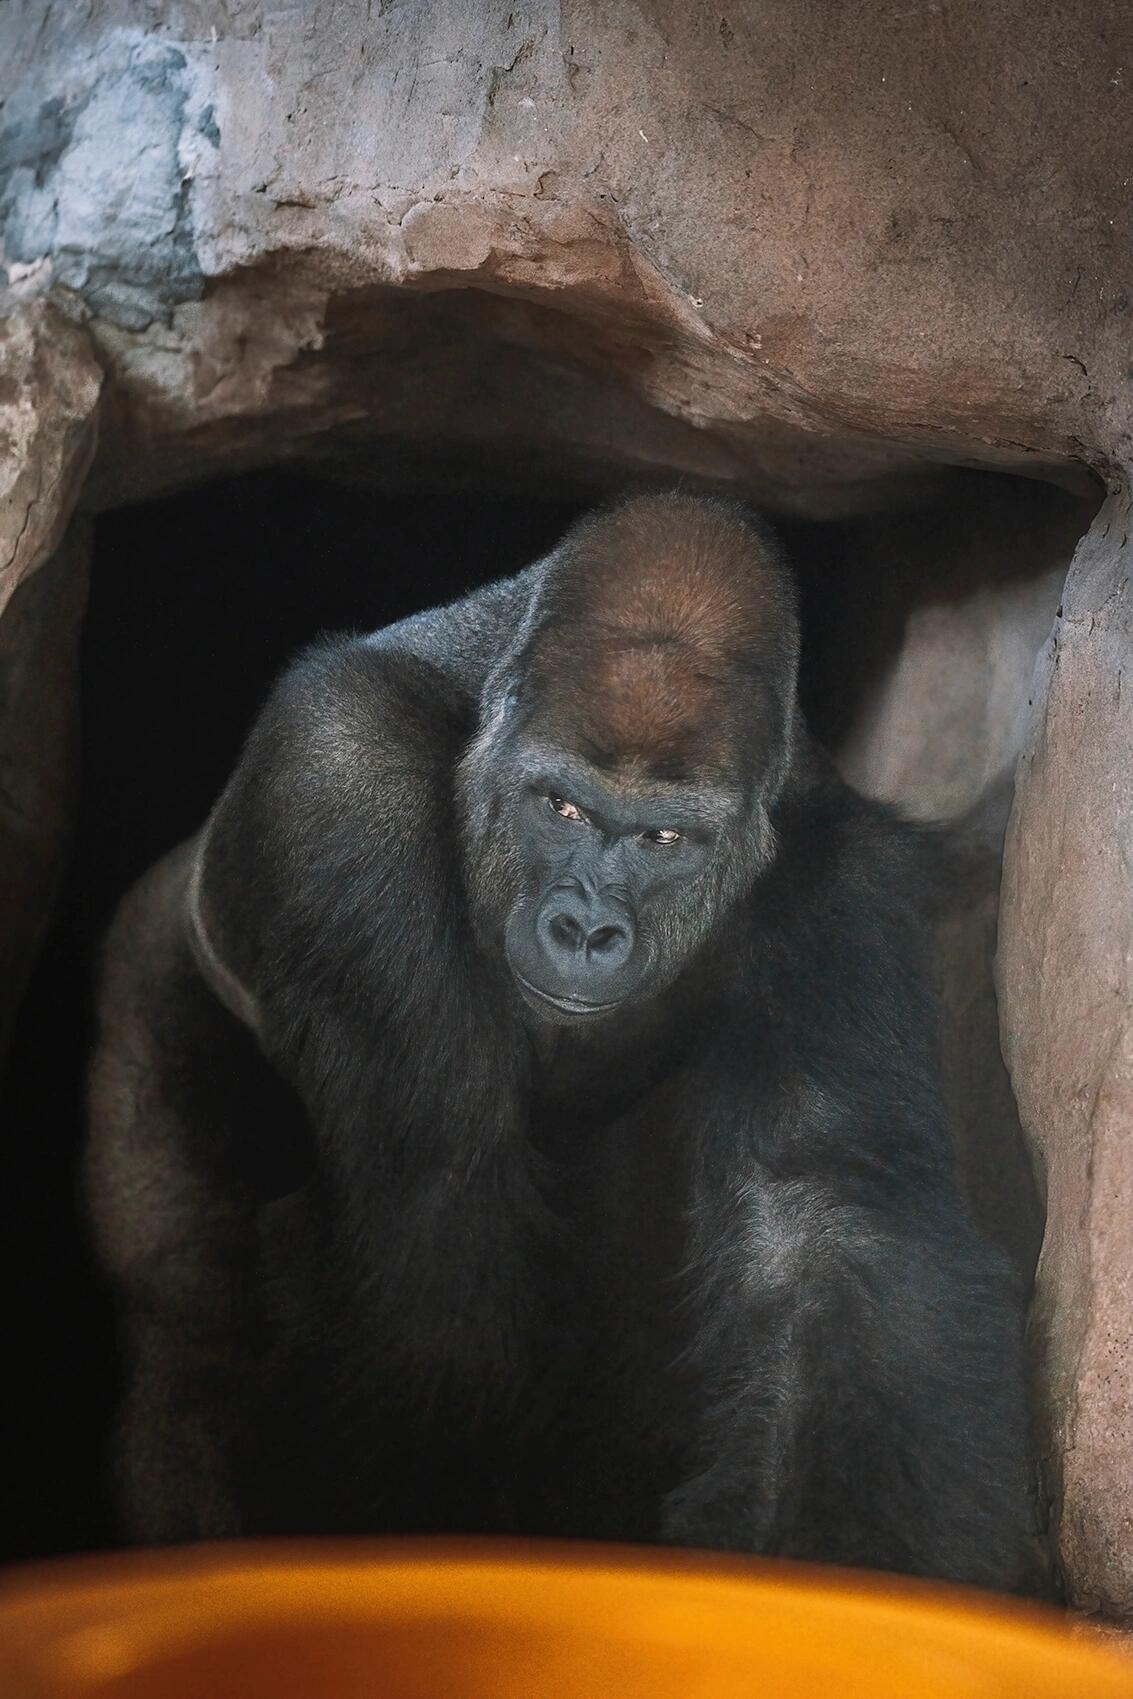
(825, 247)
(942, 724)
(49, 389)
(1065, 976)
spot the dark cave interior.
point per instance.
(196, 601)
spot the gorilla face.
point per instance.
(598, 881)
(617, 794)
(620, 882)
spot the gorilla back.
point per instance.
(517, 1108)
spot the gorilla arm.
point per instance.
(860, 1390)
(858, 1346)
(330, 914)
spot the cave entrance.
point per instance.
(923, 610)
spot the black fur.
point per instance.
(699, 1273)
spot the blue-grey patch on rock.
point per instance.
(97, 185)
(208, 126)
(36, 143)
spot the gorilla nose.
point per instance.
(609, 940)
(585, 936)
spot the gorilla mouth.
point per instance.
(566, 1005)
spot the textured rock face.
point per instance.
(49, 389)
(769, 246)
(816, 255)
(1066, 979)
(942, 723)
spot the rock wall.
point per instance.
(809, 247)
(50, 382)
(816, 255)
(1066, 983)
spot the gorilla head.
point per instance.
(618, 794)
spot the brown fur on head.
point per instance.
(651, 687)
(668, 631)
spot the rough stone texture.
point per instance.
(820, 244)
(39, 648)
(1066, 980)
(941, 724)
(49, 387)
(817, 255)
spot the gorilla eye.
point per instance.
(663, 835)
(566, 809)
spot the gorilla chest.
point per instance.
(613, 1176)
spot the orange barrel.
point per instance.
(418, 1619)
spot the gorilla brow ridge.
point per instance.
(707, 805)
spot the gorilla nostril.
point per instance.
(565, 931)
(604, 940)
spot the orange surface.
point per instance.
(453, 1620)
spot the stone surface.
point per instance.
(49, 388)
(819, 256)
(977, 583)
(1066, 984)
(771, 248)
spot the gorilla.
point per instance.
(517, 1109)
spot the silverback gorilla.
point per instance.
(517, 1109)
